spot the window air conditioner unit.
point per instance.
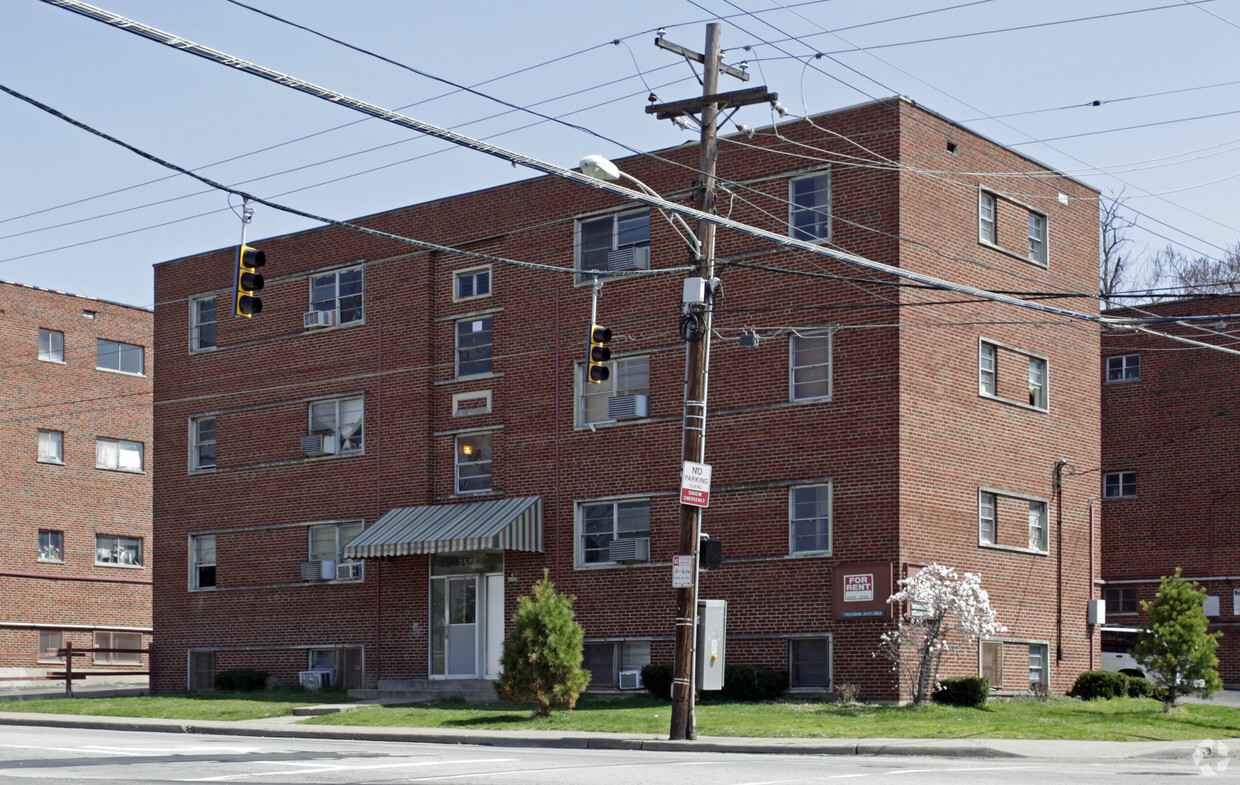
(318, 444)
(318, 570)
(631, 680)
(349, 571)
(636, 549)
(316, 319)
(315, 680)
(628, 407)
(632, 258)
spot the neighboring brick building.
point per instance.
(1171, 454)
(75, 437)
(436, 401)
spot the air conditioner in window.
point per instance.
(318, 570)
(349, 571)
(628, 407)
(315, 680)
(635, 549)
(316, 319)
(633, 258)
(631, 680)
(318, 444)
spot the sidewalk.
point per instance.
(288, 727)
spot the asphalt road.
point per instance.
(71, 755)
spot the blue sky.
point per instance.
(84, 216)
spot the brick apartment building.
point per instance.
(75, 437)
(364, 478)
(1170, 427)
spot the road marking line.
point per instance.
(320, 769)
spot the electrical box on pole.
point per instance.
(711, 635)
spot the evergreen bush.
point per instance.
(1100, 685)
(542, 655)
(241, 680)
(753, 683)
(658, 680)
(969, 691)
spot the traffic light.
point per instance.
(249, 282)
(597, 370)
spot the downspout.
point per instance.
(559, 427)
(1091, 580)
(1059, 559)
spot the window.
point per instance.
(51, 346)
(629, 376)
(1123, 367)
(339, 292)
(809, 519)
(202, 324)
(1011, 522)
(341, 422)
(809, 203)
(1119, 485)
(118, 640)
(345, 663)
(202, 554)
(119, 454)
(120, 357)
(473, 346)
(118, 551)
(51, 545)
(987, 364)
(50, 641)
(809, 366)
(202, 671)
(328, 540)
(809, 663)
(1121, 600)
(51, 446)
(992, 663)
(202, 443)
(473, 462)
(606, 660)
(1011, 375)
(1037, 663)
(614, 242)
(1011, 227)
(602, 522)
(468, 284)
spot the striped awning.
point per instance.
(501, 524)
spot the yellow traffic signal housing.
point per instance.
(597, 370)
(249, 282)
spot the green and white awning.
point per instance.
(500, 524)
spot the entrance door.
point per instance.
(454, 626)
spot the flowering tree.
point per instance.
(938, 602)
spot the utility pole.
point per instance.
(696, 329)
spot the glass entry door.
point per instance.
(467, 616)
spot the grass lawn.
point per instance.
(1122, 719)
(1125, 719)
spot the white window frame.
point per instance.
(1038, 394)
(198, 325)
(1037, 375)
(1037, 238)
(50, 640)
(630, 369)
(584, 274)
(51, 547)
(482, 325)
(339, 533)
(820, 231)
(987, 369)
(119, 448)
(809, 364)
(202, 554)
(356, 313)
(988, 225)
(113, 546)
(465, 446)
(51, 346)
(117, 640)
(474, 275)
(51, 444)
(1116, 485)
(1039, 653)
(829, 641)
(631, 503)
(987, 218)
(122, 350)
(1038, 531)
(328, 409)
(825, 493)
(197, 443)
(1123, 368)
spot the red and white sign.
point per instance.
(695, 484)
(682, 572)
(858, 588)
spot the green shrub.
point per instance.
(1095, 685)
(971, 691)
(1139, 687)
(753, 683)
(658, 680)
(241, 680)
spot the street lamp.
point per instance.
(600, 168)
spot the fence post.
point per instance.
(69, 669)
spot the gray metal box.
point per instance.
(711, 632)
